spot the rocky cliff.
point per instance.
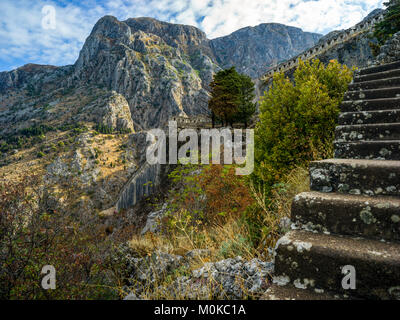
(160, 69)
(253, 50)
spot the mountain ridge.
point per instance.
(162, 69)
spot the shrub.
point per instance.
(391, 22)
(33, 235)
(298, 120)
(104, 129)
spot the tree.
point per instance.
(298, 120)
(231, 97)
(391, 22)
(246, 107)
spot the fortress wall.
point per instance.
(321, 48)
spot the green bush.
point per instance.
(36, 130)
(104, 129)
(391, 22)
(298, 120)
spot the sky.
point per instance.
(53, 32)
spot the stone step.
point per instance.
(368, 132)
(381, 68)
(381, 93)
(277, 293)
(315, 261)
(369, 117)
(375, 84)
(370, 105)
(369, 217)
(378, 150)
(359, 177)
(379, 75)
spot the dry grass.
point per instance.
(227, 240)
(279, 205)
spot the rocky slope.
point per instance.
(160, 69)
(253, 50)
(130, 76)
(356, 52)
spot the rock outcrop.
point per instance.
(253, 50)
(115, 113)
(390, 51)
(161, 69)
(227, 279)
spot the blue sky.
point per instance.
(24, 40)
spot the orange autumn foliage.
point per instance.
(226, 193)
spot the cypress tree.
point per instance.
(232, 97)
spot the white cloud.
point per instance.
(22, 38)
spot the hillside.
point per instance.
(130, 76)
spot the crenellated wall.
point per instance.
(193, 122)
(321, 48)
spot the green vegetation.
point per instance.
(298, 120)
(36, 130)
(34, 235)
(232, 96)
(208, 207)
(104, 129)
(40, 154)
(32, 91)
(391, 22)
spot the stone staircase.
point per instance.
(352, 215)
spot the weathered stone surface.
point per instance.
(232, 279)
(276, 292)
(369, 217)
(380, 68)
(359, 177)
(114, 113)
(370, 105)
(153, 221)
(377, 76)
(314, 261)
(369, 117)
(252, 50)
(390, 51)
(368, 132)
(370, 150)
(149, 271)
(375, 84)
(373, 94)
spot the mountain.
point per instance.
(160, 69)
(87, 121)
(253, 50)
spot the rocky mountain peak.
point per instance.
(254, 49)
(160, 69)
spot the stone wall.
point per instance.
(144, 182)
(141, 185)
(322, 47)
(194, 122)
